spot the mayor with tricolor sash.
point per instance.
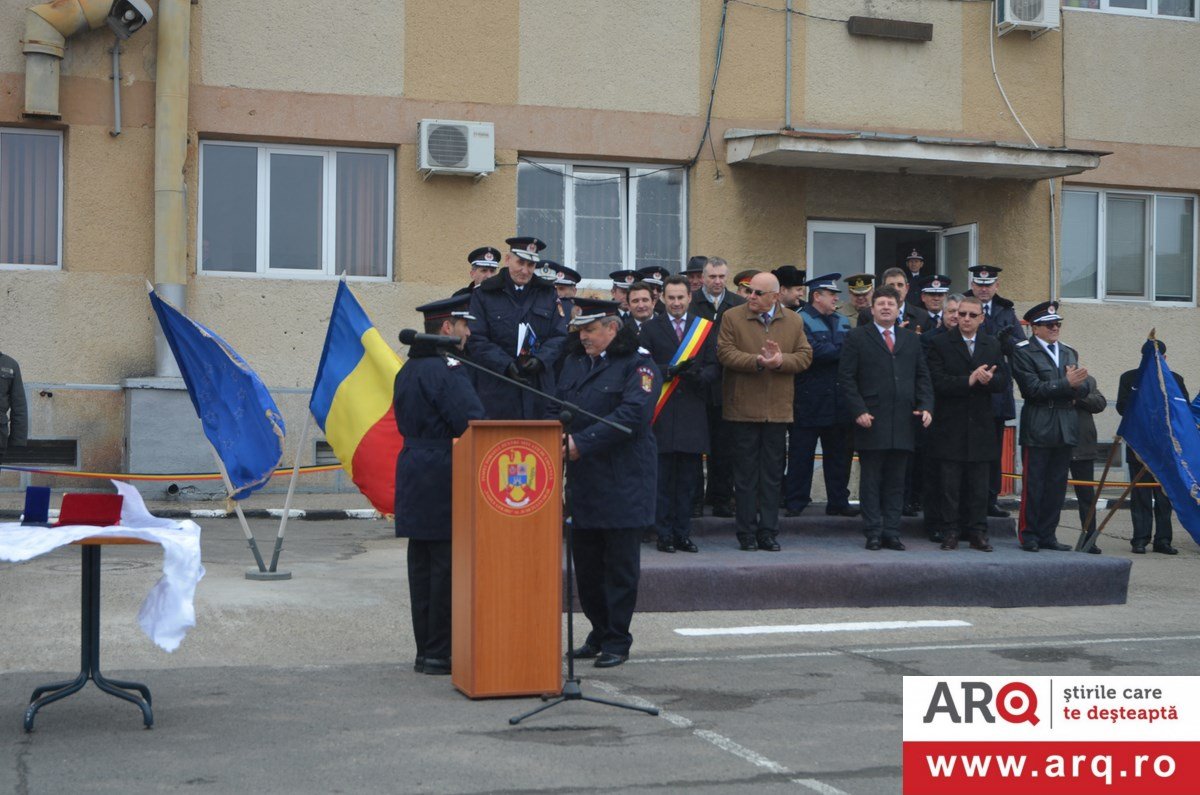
(683, 346)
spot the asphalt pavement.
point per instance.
(306, 685)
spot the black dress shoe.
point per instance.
(747, 544)
(937, 536)
(723, 511)
(791, 513)
(1030, 546)
(874, 544)
(665, 546)
(610, 660)
(1164, 548)
(1095, 550)
(845, 510)
(697, 511)
(419, 664)
(1138, 548)
(893, 543)
(911, 510)
(585, 652)
(1054, 546)
(768, 544)
(686, 545)
(436, 666)
(996, 512)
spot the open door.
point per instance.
(959, 251)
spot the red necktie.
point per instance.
(887, 338)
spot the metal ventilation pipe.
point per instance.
(170, 152)
(47, 28)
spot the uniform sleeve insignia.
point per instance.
(647, 379)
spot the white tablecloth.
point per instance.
(168, 610)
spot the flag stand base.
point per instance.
(255, 574)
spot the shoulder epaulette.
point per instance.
(1022, 343)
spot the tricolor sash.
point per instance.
(696, 334)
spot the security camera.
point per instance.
(127, 16)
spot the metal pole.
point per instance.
(1083, 531)
(287, 503)
(787, 71)
(262, 568)
(116, 78)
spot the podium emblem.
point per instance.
(517, 477)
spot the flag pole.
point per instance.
(251, 574)
(287, 503)
(1083, 531)
(1120, 501)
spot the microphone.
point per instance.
(410, 336)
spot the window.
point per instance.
(1122, 245)
(30, 198)
(295, 211)
(598, 218)
(1178, 9)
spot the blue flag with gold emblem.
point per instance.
(1159, 426)
(237, 412)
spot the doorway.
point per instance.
(850, 248)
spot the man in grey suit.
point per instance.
(886, 383)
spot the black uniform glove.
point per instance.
(677, 369)
(514, 372)
(532, 367)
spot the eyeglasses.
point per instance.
(759, 293)
(969, 314)
(1051, 324)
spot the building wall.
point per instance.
(620, 80)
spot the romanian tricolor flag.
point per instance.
(697, 333)
(352, 400)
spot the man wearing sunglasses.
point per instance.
(762, 346)
(1050, 379)
(967, 368)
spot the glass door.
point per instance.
(959, 251)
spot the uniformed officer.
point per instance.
(860, 286)
(433, 400)
(819, 411)
(509, 302)
(914, 269)
(620, 289)
(933, 291)
(606, 374)
(566, 282)
(741, 281)
(484, 262)
(14, 412)
(1051, 380)
(655, 276)
(999, 320)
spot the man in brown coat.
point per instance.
(761, 347)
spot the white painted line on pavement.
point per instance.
(721, 741)
(846, 626)
(787, 654)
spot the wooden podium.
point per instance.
(507, 575)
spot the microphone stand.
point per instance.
(571, 690)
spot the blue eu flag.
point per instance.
(238, 414)
(1159, 426)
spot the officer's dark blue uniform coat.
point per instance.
(682, 425)
(499, 309)
(434, 401)
(613, 484)
(818, 401)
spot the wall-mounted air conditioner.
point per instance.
(1035, 16)
(457, 147)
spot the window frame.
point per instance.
(57, 265)
(1150, 251)
(628, 198)
(1151, 11)
(328, 212)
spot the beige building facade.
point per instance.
(303, 141)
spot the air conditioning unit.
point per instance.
(1036, 16)
(457, 147)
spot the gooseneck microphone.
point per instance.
(409, 336)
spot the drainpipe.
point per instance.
(787, 68)
(47, 28)
(170, 152)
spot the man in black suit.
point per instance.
(710, 302)
(681, 426)
(1050, 379)
(886, 384)
(1150, 509)
(914, 271)
(967, 367)
(911, 316)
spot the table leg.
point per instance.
(89, 654)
